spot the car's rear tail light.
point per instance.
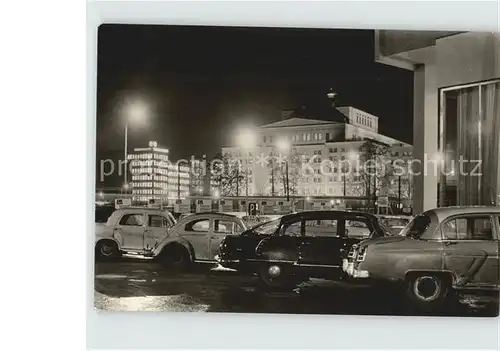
(352, 251)
(361, 254)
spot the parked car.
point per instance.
(132, 230)
(441, 250)
(396, 224)
(196, 238)
(298, 246)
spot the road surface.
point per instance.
(135, 285)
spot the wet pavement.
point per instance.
(136, 285)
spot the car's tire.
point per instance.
(428, 291)
(106, 250)
(175, 258)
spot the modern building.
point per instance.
(456, 113)
(317, 153)
(154, 176)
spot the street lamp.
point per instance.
(284, 146)
(247, 140)
(135, 111)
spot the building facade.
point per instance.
(310, 157)
(154, 176)
(456, 113)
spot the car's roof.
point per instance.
(315, 214)
(444, 212)
(216, 214)
(139, 208)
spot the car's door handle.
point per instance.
(449, 243)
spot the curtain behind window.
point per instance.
(468, 146)
(478, 141)
(490, 106)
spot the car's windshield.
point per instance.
(417, 226)
(388, 231)
(266, 228)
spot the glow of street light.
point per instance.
(283, 145)
(136, 110)
(101, 194)
(125, 186)
(353, 155)
(308, 198)
(246, 138)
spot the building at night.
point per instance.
(317, 151)
(456, 112)
(154, 176)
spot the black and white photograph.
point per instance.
(297, 171)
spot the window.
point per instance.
(357, 228)
(132, 219)
(315, 136)
(293, 229)
(327, 137)
(199, 225)
(158, 222)
(343, 149)
(469, 228)
(221, 226)
(308, 136)
(320, 227)
(304, 136)
(330, 150)
(334, 149)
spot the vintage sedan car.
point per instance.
(135, 230)
(196, 238)
(298, 246)
(442, 250)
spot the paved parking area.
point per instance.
(135, 285)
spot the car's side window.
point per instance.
(199, 225)
(321, 228)
(132, 219)
(221, 226)
(357, 228)
(237, 228)
(468, 228)
(293, 229)
(158, 222)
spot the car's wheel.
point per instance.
(176, 258)
(106, 250)
(428, 291)
(276, 276)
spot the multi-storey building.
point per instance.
(154, 176)
(325, 157)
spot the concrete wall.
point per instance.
(397, 41)
(467, 58)
(425, 140)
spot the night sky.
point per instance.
(203, 82)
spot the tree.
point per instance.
(229, 176)
(375, 169)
